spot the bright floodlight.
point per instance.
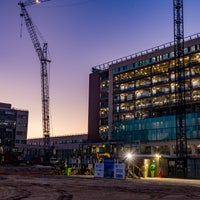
(157, 155)
(129, 156)
(37, 1)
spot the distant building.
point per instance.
(13, 128)
(67, 147)
(133, 99)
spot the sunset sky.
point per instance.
(80, 34)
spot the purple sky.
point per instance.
(80, 34)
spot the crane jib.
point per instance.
(31, 2)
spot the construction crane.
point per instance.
(181, 136)
(42, 54)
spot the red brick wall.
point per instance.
(93, 113)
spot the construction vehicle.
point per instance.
(101, 156)
(42, 54)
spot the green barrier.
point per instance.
(152, 173)
(68, 171)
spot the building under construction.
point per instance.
(134, 99)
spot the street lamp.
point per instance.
(129, 156)
(157, 155)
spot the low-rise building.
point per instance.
(66, 148)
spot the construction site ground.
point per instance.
(40, 183)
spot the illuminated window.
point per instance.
(165, 56)
(195, 82)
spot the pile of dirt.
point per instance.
(25, 170)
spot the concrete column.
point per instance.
(110, 105)
(171, 150)
(193, 149)
(152, 150)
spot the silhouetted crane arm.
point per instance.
(32, 31)
(31, 2)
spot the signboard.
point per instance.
(110, 170)
(119, 171)
(99, 170)
(108, 167)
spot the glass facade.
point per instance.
(13, 129)
(144, 98)
(133, 102)
(7, 128)
(155, 129)
(138, 95)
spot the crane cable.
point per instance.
(21, 26)
(69, 4)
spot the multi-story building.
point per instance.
(13, 128)
(133, 99)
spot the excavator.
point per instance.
(101, 156)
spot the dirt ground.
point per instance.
(37, 183)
